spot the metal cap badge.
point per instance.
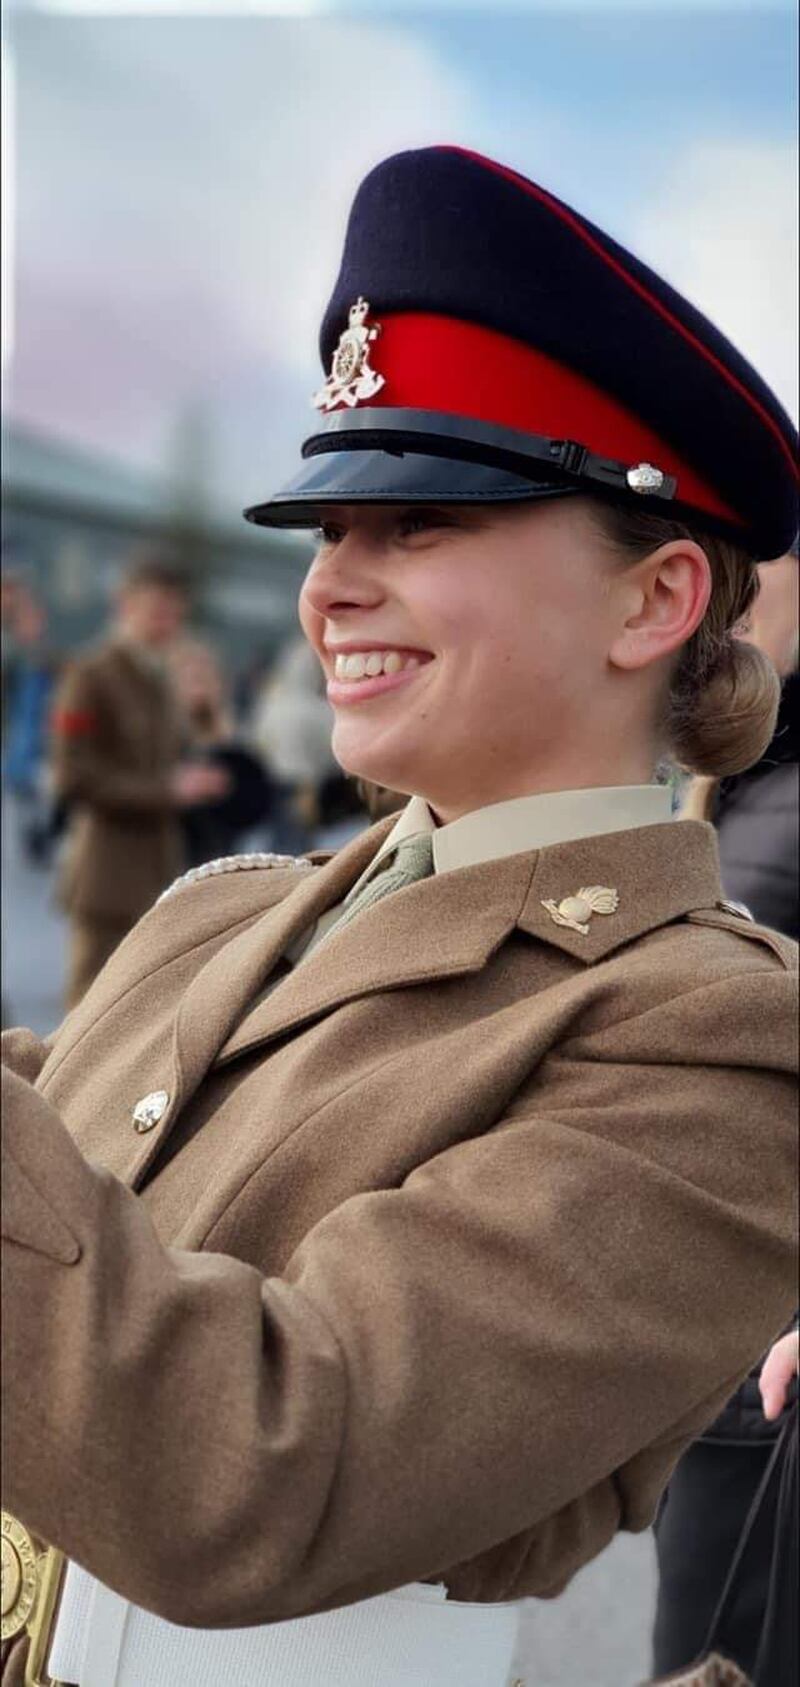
(351, 379)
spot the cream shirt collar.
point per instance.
(510, 828)
(506, 828)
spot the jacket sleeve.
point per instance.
(24, 1052)
(442, 1366)
(86, 762)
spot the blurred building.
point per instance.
(72, 518)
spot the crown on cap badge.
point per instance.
(644, 477)
(576, 911)
(351, 379)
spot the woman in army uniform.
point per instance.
(380, 1230)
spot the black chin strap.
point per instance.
(439, 434)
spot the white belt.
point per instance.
(413, 1637)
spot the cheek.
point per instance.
(312, 624)
(522, 665)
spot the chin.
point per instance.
(394, 769)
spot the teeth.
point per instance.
(369, 664)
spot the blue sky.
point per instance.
(180, 186)
(618, 90)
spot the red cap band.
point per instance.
(432, 362)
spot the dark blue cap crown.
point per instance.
(442, 234)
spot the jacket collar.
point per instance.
(446, 926)
(442, 927)
(145, 663)
(438, 928)
(659, 874)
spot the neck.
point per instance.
(130, 635)
(450, 803)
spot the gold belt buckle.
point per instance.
(32, 1574)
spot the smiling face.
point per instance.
(467, 651)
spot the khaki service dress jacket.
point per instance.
(437, 1255)
(116, 741)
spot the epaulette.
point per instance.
(726, 915)
(233, 864)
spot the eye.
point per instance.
(328, 533)
(421, 521)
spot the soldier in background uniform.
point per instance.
(116, 764)
(380, 1230)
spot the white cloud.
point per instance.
(722, 227)
(215, 159)
(183, 187)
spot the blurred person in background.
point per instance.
(757, 813)
(249, 682)
(341, 811)
(378, 801)
(704, 1507)
(291, 728)
(30, 672)
(215, 827)
(116, 763)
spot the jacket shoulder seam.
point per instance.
(743, 925)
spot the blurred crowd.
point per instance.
(139, 757)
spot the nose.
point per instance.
(344, 576)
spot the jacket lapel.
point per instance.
(450, 924)
(221, 992)
(438, 928)
(444, 926)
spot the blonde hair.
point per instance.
(724, 693)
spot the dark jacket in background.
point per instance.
(704, 1507)
(214, 829)
(757, 816)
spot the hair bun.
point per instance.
(732, 720)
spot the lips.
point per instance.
(369, 670)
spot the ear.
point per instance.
(659, 603)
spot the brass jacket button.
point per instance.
(149, 1110)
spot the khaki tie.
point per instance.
(413, 860)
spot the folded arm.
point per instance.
(441, 1367)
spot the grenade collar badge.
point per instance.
(577, 911)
